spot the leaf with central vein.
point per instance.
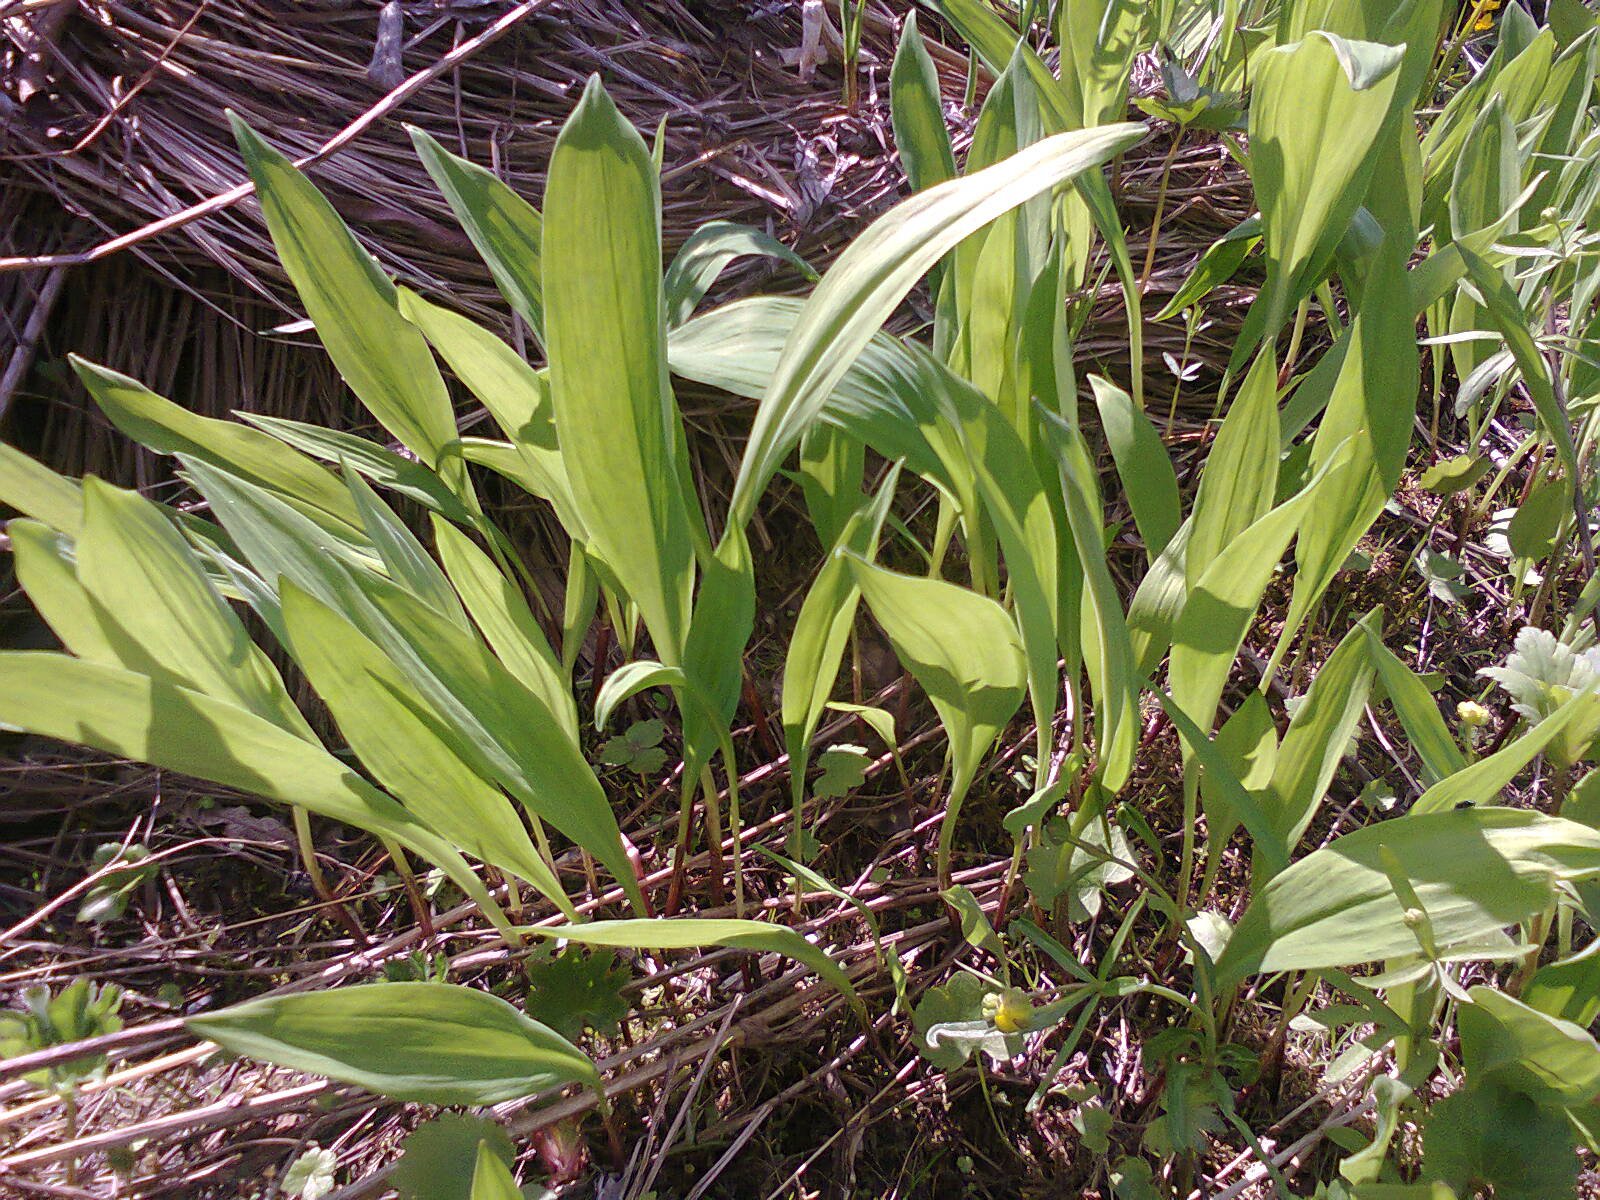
(513, 738)
(1218, 610)
(1113, 673)
(502, 614)
(706, 253)
(168, 428)
(32, 488)
(1367, 425)
(517, 397)
(47, 569)
(1142, 464)
(491, 1178)
(1316, 110)
(917, 111)
(351, 303)
(1509, 317)
(404, 745)
(616, 420)
(713, 659)
(431, 1043)
(404, 559)
(964, 651)
(1473, 871)
(504, 228)
(1318, 736)
(123, 713)
(986, 444)
(1483, 781)
(1415, 706)
(160, 613)
(872, 277)
(1240, 477)
(822, 630)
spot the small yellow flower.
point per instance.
(1485, 19)
(1472, 714)
(1010, 1010)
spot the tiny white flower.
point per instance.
(1541, 673)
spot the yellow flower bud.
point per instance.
(1010, 1010)
(1472, 714)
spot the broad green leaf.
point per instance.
(1317, 738)
(384, 467)
(1515, 72)
(822, 630)
(514, 738)
(1099, 41)
(880, 401)
(707, 252)
(405, 746)
(516, 396)
(1365, 433)
(1219, 608)
(404, 559)
(992, 40)
(1568, 989)
(1474, 871)
(1316, 111)
(1156, 604)
(686, 933)
(504, 228)
(983, 441)
(1455, 474)
(616, 421)
(1488, 174)
(1553, 1060)
(438, 1156)
(965, 653)
(1533, 528)
(508, 625)
(351, 303)
(1215, 267)
(1240, 478)
(916, 109)
(831, 467)
(1248, 743)
(1108, 651)
(629, 680)
(147, 720)
(32, 488)
(1492, 1136)
(167, 428)
(161, 615)
(47, 569)
(1237, 807)
(993, 269)
(428, 1043)
(578, 604)
(713, 660)
(869, 280)
(1142, 464)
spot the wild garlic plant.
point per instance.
(455, 693)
